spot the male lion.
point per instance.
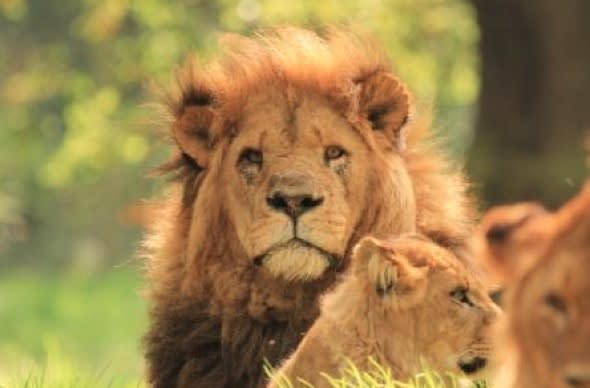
(544, 260)
(406, 302)
(290, 148)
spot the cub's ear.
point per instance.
(388, 272)
(369, 260)
(385, 102)
(510, 239)
(194, 121)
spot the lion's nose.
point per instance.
(293, 205)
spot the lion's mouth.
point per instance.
(295, 243)
(472, 365)
(298, 260)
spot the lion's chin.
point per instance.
(296, 261)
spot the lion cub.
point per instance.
(405, 302)
(543, 260)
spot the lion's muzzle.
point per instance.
(297, 261)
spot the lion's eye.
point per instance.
(334, 152)
(556, 302)
(460, 294)
(251, 156)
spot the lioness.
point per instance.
(406, 302)
(543, 259)
(288, 150)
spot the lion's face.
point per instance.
(298, 179)
(432, 300)
(545, 265)
(300, 183)
(302, 153)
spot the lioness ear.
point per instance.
(388, 272)
(511, 239)
(192, 128)
(385, 102)
(573, 222)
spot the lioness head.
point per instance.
(544, 263)
(426, 305)
(293, 148)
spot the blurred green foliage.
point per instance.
(77, 137)
(71, 326)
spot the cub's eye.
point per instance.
(251, 156)
(496, 296)
(556, 302)
(460, 294)
(334, 152)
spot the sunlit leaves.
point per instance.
(13, 9)
(103, 20)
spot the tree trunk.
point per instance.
(534, 105)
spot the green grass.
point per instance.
(71, 329)
(83, 330)
(379, 377)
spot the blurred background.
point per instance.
(509, 81)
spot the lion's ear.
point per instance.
(192, 128)
(385, 102)
(388, 272)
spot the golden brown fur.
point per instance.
(287, 135)
(544, 260)
(406, 302)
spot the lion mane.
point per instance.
(288, 149)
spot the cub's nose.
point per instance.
(577, 376)
(293, 205)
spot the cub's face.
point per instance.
(457, 316)
(298, 181)
(428, 289)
